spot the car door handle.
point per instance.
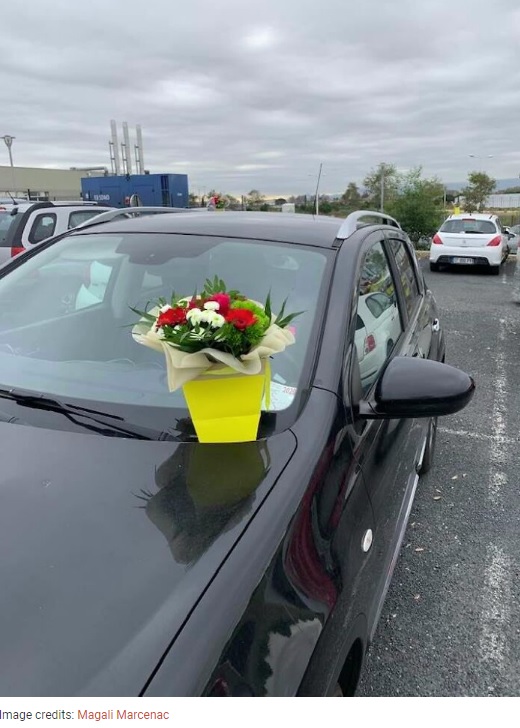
(436, 326)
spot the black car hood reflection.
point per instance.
(107, 544)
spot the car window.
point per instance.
(6, 220)
(407, 274)
(43, 227)
(377, 308)
(79, 216)
(378, 303)
(77, 341)
(469, 225)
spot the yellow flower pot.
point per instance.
(225, 407)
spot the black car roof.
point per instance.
(320, 231)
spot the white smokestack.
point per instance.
(128, 152)
(115, 147)
(139, 136)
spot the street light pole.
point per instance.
(8, 139)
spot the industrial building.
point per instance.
(122, 185)
(42, 183)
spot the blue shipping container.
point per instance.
(153, 190)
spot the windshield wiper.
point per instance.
(72, 411)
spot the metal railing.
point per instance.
(132, 212)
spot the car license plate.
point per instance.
(462, 261)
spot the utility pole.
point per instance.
(382, 187)
(317, 190)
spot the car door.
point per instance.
(389, 451)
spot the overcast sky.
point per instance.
(242, 95)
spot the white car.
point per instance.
(377, 329)
(470, 239)
(29, 223)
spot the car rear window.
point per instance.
(6, 220)
(469, 225)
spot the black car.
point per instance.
(138, 561)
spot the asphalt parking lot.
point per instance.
(451, 621)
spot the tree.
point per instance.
(373, 186)
(418, 204)
(351, 198)
(232, 202)
(254, 200)
(480, 186)
(193, 200)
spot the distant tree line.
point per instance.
(419, 203)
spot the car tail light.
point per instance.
(496, 241)
(437, 239)
(15, 251)
(370, 344)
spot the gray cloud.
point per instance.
(239, 96)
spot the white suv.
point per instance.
(470, 239)
(28, 223)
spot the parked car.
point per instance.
(470, 239)
(28, 223)
(377, 329)
(139, 561)
(514, 231)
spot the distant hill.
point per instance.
(502, 184)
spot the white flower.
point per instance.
(165, 308)
(214, 319)
(212, 306)
(194, 316)
(217, 321)
(159, 332)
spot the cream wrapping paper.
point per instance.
(182, 367)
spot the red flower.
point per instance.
(172, 317)
(241, 318)
(223, 301)
(196, 303)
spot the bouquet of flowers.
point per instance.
(217, 202)
(213, 336)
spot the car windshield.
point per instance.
(6, 220)
(470, 225)
(66, 321)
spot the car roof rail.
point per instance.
(354, 221)
(131, 212)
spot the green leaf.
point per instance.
(287, 320)
(143, 314)
(281, 313)
(267, 307)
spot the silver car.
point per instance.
(513, 242)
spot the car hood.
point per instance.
(107, 544)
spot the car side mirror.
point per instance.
(507, 231)
(411, 387)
